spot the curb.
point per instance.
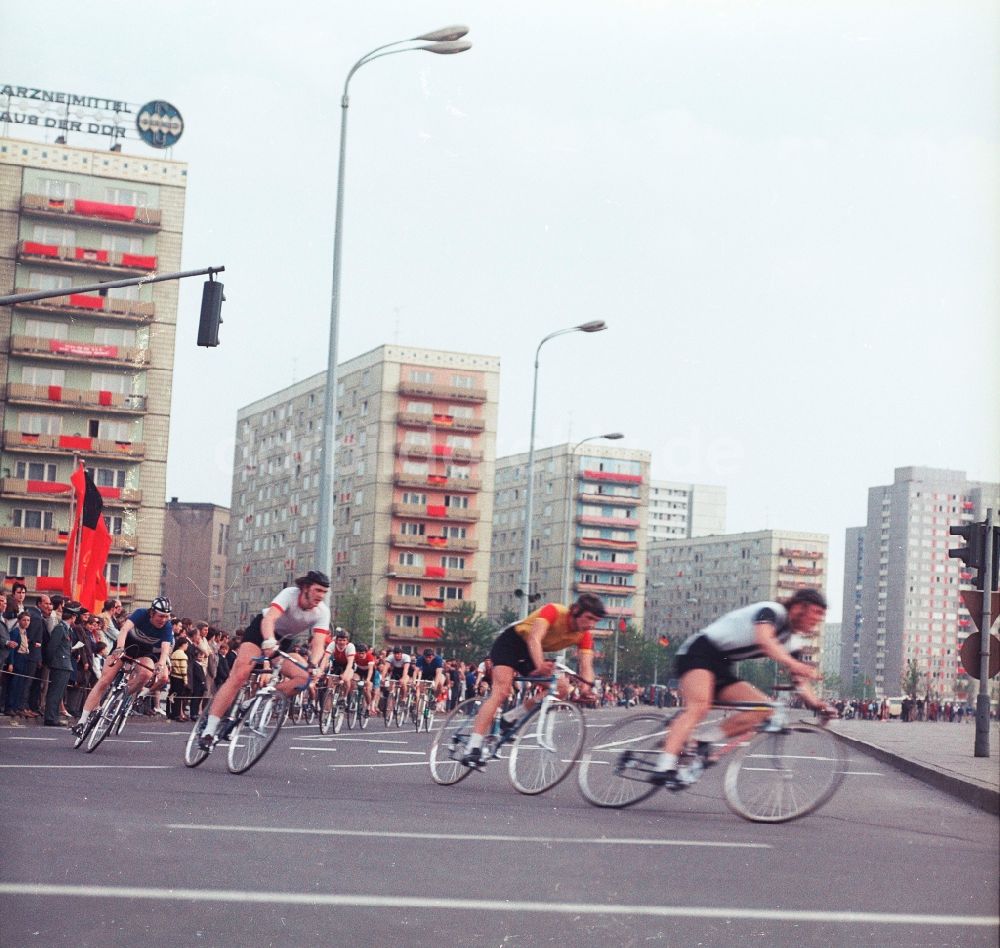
(961, 788)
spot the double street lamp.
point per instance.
(445, 41)
(595, 325)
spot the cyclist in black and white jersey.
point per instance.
(298, 613)
(704, 666)
(146, 634)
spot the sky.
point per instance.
(787, 213)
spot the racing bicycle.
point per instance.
(113, 711)
(781, 769)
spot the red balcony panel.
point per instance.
(610, 476)
(89, 350)
(47, 487)
(436, 510)
(75, 442)
(601, 566)
(50, 583)
(111, 212)
(40, 250)
(430, 632)
(91, 256)
(142, 261)
(442, 450)
(85, 301)
(434, 572)
(109, 491)
(437, 479)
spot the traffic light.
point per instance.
(973, 553)
(211, 313)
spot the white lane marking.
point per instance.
(413, 753)
(325, 750)
(163, 893)
(401, 763)
(126, 740)
(862, 773)
(165, 733)
(362, 740)
(86, 766)
(465, 837)
(32, 738)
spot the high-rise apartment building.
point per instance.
(416, 430)
(910, 604)
(678, 510)
(589, 531)
(195, 539)
(692, 582)
(852, 617)
(86, 375)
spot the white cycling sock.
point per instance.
(211, 724)
(475, 740)
(666, 762)
(85, 716)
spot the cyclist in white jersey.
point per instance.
(297, 613)
(704, 668)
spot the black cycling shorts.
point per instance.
(511, 650)
(136, 649)
(703, 654)
(252, 634)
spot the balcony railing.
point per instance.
(583, 587)
(610, 500)
(611, 476)
(801, 554)
(67, 350)
(410, 636)
(87, 304)
(599, 543)
(68, 444)
(423, 603)
(794, 584)
(62, 493)
(442, 451)
(409, 419)
(800, 570)
(122, 215)
(602, 566)
(438, 482)
(436, 512)
(38, 539)
(53, 396)
(85, 258)
(621, 523)
(431, 572)
(446, 544)
(429, 390)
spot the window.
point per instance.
(419, 438)
(111, 382)
(406, 622)
(408, 589)
(114, 336)
(453, 562)
(461, 411)
(417, 468)
(27, 566)
(412, 498)
(129, 196)
(59, 190)
(419, 408)
(34, 471)
(450, 592)
(421, 375)
(412, 529)
(113, 430)
(123, 292)
(456, 501)
(459, 441)
(455, 532)
(122, 243)
(114, 524)
(33, 519)
(458, 472)
(411, 559)
(45, 329)
(462, 381)
(49, 234)
(42, 375)
(356, 528)
(40, 424)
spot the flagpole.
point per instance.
(74, 572)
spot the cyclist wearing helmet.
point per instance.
(364, 665)
(296, 615)
(145, 634)
(341, 653)
(520, 650)
(430, 668)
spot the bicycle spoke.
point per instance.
(547, 747)
(616, 770)
(448, 747)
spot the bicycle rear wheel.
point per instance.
(193, 754)
(78, 739)
(108, 718)
(547, 747)
(363, 713)
(448, 747)
(352, 709)
(429, 712)
(326, 712)
(783, 775)
(256, 732)
(339, 714)
(124, 714)
(399, 711)
(616, 770)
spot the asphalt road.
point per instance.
(345, 840)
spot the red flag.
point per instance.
(88, 546)
(664, 640)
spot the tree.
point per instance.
(910, 680)
(353, 610)
(507, 617)
(833, 685)
(466, 635)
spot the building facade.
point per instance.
(911, 610)
(195, 540)
(692, 582)
(852, 615)
(416, 430)
(86, 375)
(678, 510)
(589, 532)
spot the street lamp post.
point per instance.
(567, 553)
(444, 41)
(595, 325)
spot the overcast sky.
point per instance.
(787, 212)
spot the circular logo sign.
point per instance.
(160, 124)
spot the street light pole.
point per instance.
(570, 461)
(595, 325)
(444, 41)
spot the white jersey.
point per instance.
(398, 664)
(295, 622)
(734, 634)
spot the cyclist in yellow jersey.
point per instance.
(520, 650)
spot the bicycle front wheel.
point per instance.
(547, 747)
(256, 732)
(193, 754)
(326, 713)
(399, 712)
(362, 712)
(448, 747)
(352, 709)
(124, 713)
(108, 712)
(616, 770)
(780, 776)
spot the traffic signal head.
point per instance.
(211, 313)
(973, 553)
